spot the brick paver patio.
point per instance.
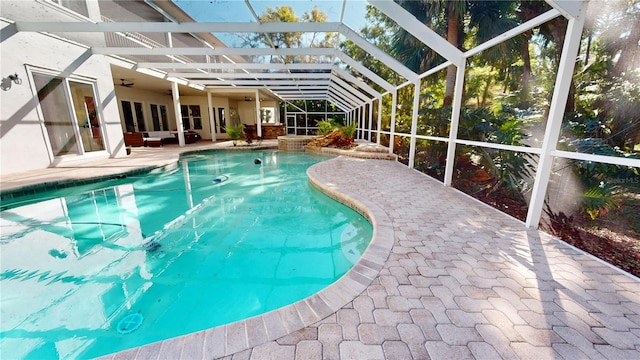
(446, 277)
(465, 281)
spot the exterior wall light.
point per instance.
(6, 82)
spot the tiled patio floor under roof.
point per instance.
(446, 277)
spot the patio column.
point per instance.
(370, 119)
(554, 123)
(358, 113)
(414, 123)
(178, 112)
(212, 117)
(392, 125)
(379, 120)
(258, 121)
(455, 120)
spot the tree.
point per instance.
(292, 39)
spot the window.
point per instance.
(128, 116)
(186, 122)
(133, 120)
(223, 120)
(267, 115)
(196, 116)
(140, 116)
(159, 117)
(191, 116)
(77, 6)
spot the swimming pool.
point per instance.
(214, 239)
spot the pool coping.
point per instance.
(241, 335)
(32, 189)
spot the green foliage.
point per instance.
(348, 131)
(599, 200)
(325, 127)
(286, 13)
(235, 132)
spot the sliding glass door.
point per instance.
(70, 115)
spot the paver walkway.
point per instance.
(461, 280)
(465, 281)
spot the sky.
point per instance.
(237, 11)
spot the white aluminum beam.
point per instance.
(350, 89)
(298, 88)
(345, 100)
(421, 32)
(524, 149)
(370, 104)
(259, 82)
(208, 51)
(414, 123)
(379, 120)
(294, 90)
(212, 118)
(568, 8)
(364, 71)
(387, 59)
(347, 92)
(236, 66)
(535, 22)
(299, 97)
(185, 27)
(435, 69)
(338, 103)
(345, 97)
(256, 75)
(392, 124)
(554, 123)
(344, 94)
(455, 121)
(175, 93)
(359, 83)
(612, 160)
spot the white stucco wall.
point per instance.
(23, 145)
(247, 112)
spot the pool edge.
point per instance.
(225, 340)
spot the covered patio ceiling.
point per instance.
(327, 73)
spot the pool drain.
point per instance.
(130, 323)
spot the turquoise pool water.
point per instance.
(212, 240)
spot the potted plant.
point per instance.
(235, 132)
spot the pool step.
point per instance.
(364, 150)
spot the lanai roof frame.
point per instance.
(351, 100)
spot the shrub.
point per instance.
(325, 127)
(348, 131)
(235, 132)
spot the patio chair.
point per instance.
(133, 139)
(251, 135)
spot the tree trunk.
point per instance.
(587, 53)
(452, 38)
(485, 92)
(525, 88)
(629, 53)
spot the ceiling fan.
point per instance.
(126, 84)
